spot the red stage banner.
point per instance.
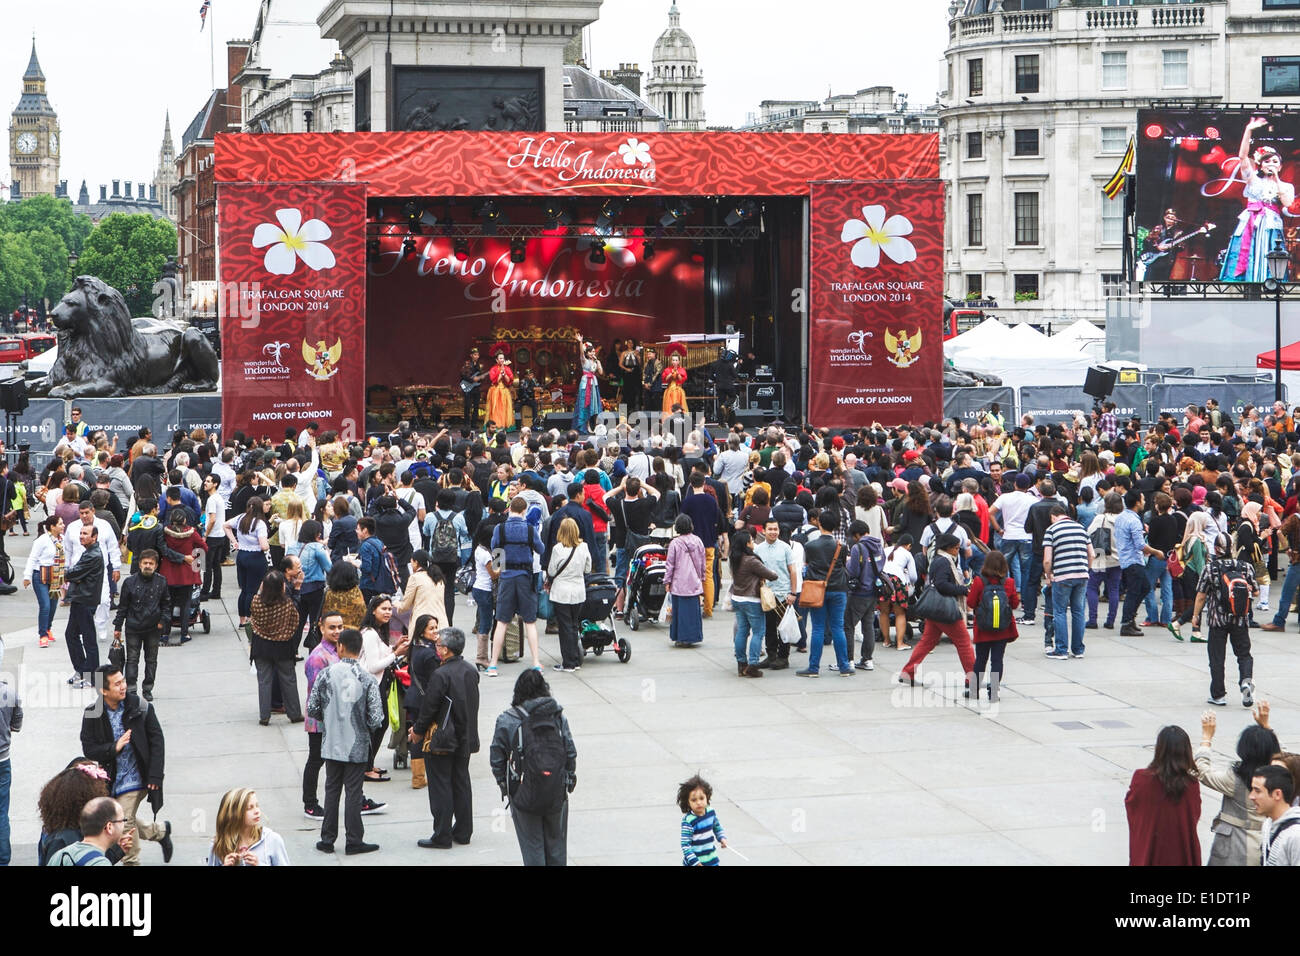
(875, 343)
(431, 295)
(293, 274)
(559, 164)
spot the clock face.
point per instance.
(54, 142)
(27, 143)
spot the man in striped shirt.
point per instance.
(1067, 558)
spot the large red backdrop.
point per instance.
(875, 343)
(427, 309)
(293, 307)
(555, 164)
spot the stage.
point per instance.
(365, 266)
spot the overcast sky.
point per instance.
(114, 67)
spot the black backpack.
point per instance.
(993, 613)
(1233, 590)
(444, 542)
(538, 760)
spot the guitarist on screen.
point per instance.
(1159, 249)
(471, 378)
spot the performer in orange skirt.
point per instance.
(500, 401)
(674, 378)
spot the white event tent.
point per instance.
(1019, 356)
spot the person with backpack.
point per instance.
(994, 598)
(448, 536)
(866, 559)
(949, 582)
(1225, 590)
(898, 570)
(1105, 565)
(518, 539)
(534, 761)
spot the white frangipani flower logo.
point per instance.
(635, 151)
(292, 240)
(873, 233)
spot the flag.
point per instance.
(1115, 185)
(203, 14)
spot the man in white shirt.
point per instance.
(1007, 515)
(214, 520)
(225, 472)
(638, 463)
(108, 546)
(946, 524)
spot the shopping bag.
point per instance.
(665, 612)
(789, 626)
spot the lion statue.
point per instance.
(104, 353)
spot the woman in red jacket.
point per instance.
(183, 538)
(991, 640)
(1164, 804)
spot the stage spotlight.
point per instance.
(492, 217)
(697, 250)
(372, 250)
(676, 211)
(518, 250)
(408, 247)
(649, 252)
(461, 247)
(556, 215)
(741, 213)
(597, 252)
(609, 211)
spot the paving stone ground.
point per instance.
(829, 771)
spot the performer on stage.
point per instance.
(588, 405)
(651, 383)
(674, 377)
(1160, 241)
(528, 394)
(500, 404)
(471, 378)
(1259, 227)
(630, 363)
(725, 386)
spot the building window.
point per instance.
(1026, 219)
(975, 219)
(974, 145)
(1114, 139)
(1281, 75)
(1026, 286)
(1026, 142)
(975, 286)
(1112, 220)
(1282, 4)
(1112, 285)
(1174, 74)
(1114, 70)
(1027, 74)
(975, 76)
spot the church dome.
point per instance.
(675, 44)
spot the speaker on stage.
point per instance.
(13, 396)
(558, 420)
(1100, 382)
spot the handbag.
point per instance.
(117, 654)
(465, 578)
(813, 593)
(440, 738)
(767, 598)
(1175, 563)
(933, 606)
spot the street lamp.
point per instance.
(1278, 261)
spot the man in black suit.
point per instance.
(450, 794)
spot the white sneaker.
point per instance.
(1262, 606)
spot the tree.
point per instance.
(128, 252)
(20, 272)
(52, 258)
(58, 215)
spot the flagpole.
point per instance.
(212, 50)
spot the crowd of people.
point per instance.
(354, 554)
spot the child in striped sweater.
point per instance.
(700, 824)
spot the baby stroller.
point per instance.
(199, 616)
(645, 584)
(596, 612)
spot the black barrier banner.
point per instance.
(966, 404)
(1060, 403)
(1231, 396)
(200, 411)
(124, 417)
(40, 426)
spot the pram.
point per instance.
(645, 584)
(596, 612)
(199, 616)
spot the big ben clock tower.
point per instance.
(34, 136)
